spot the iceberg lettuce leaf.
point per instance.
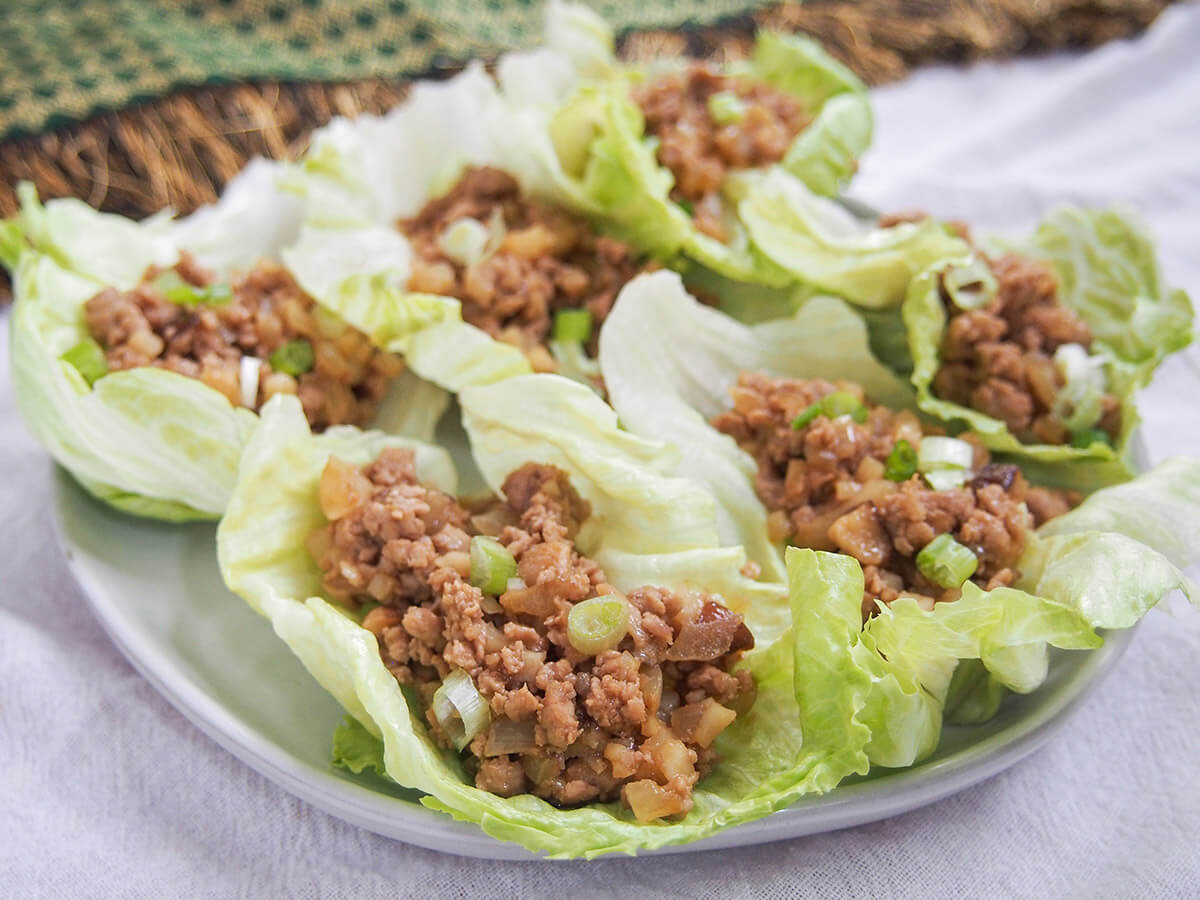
(767, 761)
(150, 441)
(1108, 272)
(822, 244)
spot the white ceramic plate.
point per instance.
(157, 591)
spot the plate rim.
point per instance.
(881, 797)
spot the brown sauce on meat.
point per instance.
(549, 260)
(699, 151)
(268, 309)
(825, 487)
(635, 721)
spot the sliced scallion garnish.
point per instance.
(293, 358)
(460, 709)
(172, 286)
(937, 452)
(491, 565)
(901, 463)
(598, 624)
(573, 325)
(839, 403)
(1088, 436)
(88, 359)
(970, 286)
(726, 108)
(946, 562)
(464, 241)
(945, 479)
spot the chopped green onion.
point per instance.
(573, 325)
(598, 624)
(1078, 400)
(249, 374)
(464, 241)
(172, 286)
(293, 358)
(726, 108)
(946, 479)
(901, 463)
(491, 565)
(1088, 436)
(944, 453)
(843, 403)
(946, 562)
(688, 207)
(807, 416)
(970, 286)
(460, 709)
(88, 358)
(839, 403)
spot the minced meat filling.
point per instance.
(635, 721)
(759, 124)
(345, 379)
(825, 485)
(1000, 359)
(546, 260)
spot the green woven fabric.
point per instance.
(62, 61)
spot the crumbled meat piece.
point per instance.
(699, 150)
(548, 260)
(142, 327)
(570, 727)
(999, 359)
(824, 485)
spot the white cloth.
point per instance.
(106, 791)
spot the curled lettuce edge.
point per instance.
(147, 441)
(766, 762)
(819, 242)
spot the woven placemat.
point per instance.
(60, 60)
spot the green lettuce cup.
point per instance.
(804, 733)
(507, 268)
(1106, 274)
(146, 440)
(1101, 565)
(578, 112)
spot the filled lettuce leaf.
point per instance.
(669, 363)
(1102, 565)
(802, 735)
(356, 180)
(1107, 273)
(591, 145)
(146, 440)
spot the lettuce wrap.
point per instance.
(586, 139)
(1107, 272)
(1102, 565)
(148, 441)
(646, 527)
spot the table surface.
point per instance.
(105, 790)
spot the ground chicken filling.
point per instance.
(707, 124)
(635, 720)
(999, 359)
(514, 262)
(826, 486)
(260, 336)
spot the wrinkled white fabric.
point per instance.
(107, 791)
